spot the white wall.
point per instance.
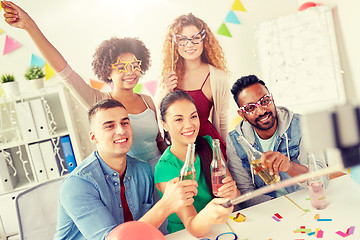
(77, 27)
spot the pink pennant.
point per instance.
(10, 45)
(151, 87)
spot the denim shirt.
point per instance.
(89, 204)
(287, 143)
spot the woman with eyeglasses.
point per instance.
(181, 123)
(117, 61)
(194, 62)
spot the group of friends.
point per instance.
(116, 183)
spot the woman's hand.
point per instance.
(228, 189)
(171, 81)
(215, 213)
(14, 15)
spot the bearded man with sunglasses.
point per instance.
(274, 131)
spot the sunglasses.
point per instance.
(250, 108)
(195, 39)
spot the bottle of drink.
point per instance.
(217, 167)
(254, 157)
(315, 184)
(188, 169)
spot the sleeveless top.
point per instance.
(145, 130)
(204, 106)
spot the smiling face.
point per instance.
(125, 73)
(191, 51)
(264, 119)
(111, 132)
(182, 122)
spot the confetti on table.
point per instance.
(319, 234)
(302, 230)
(278, 216)
(324, 220)
(276, 219)
(316, 217)
(307, 198)
(311, 233)
(239, 217)
(342, 234)
(307, 210)
(350, 230)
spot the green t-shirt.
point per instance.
(169, 167)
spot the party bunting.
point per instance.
(232, 18)
(37, 61)
(223, 30)
(10, 45)
(237, 6)
(97, 84)
(137, 88)
(151, 87)
(49, 72)
(1, 31)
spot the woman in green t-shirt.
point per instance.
(181, 124)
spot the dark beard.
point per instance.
(260, 127)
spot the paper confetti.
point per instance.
(319, 234)
(275, 218)
(316, 217)
(278, 216)
(342, 234)
(350, 230)
(324, 220)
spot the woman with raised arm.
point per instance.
(120, 61)
(181, 124)
(194, 62)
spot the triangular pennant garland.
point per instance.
(232, 18)
(10, 45)
(151, 87)
(1, 31)
(97, 84)
(37, 61)
(237, 6)
(49, 72)
(223, 30)
(137, 88)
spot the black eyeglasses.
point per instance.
(195, 39)
(250, 108)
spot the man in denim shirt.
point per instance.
(109, 188)
(274, 131)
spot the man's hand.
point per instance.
(275, 162)
(179, 194)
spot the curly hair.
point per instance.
(109, 50)
(212, 53)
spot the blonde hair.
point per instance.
(212, 53)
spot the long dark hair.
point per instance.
(203, 148)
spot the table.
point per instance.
(342, 193)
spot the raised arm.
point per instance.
(16, 17)
(199, 224)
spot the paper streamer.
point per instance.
(237, 6)
(232, 18)
(37, 61)
(137, 88)
(223, 30)
(96, 84)
(151, 87)
(49, 72)
(10, 45)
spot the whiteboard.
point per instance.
(298, 58)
